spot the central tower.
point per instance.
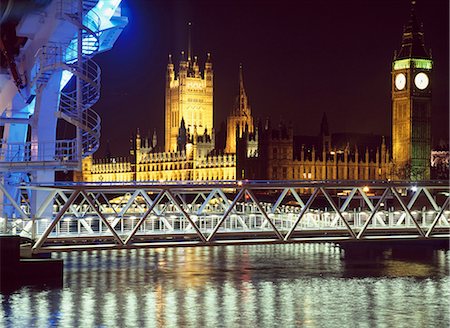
(411, 104)
(189, 96)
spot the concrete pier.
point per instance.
(16, 271)
(399, 248)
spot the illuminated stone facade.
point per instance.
(189, 96)
(411, 105)
(283, 156)
(190, 137)
(245, 150)
(249, 152)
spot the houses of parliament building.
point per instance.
(251, 149)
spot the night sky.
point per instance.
(300, 59)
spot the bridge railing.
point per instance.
(146, 214)
(62, 150)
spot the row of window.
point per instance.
(342, 173)
(164, 167)
(186, 175)
(281, 154)
(110, 169)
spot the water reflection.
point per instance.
(309, 285)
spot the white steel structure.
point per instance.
(60, 82)
(189, 214)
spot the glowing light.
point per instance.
(66, 76)
(421, 81)
(109, 12)
(413, 63)
(414, 188)
(239, 183)
(366, 189)
(105, 9)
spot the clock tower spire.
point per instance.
(411, 104)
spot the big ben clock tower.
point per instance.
(411, 104)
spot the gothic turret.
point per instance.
(240, 117)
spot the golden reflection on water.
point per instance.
(251, 286)
(396, 268)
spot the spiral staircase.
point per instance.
(55, 57)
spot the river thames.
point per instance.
(295, 285)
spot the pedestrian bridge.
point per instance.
(131, 215)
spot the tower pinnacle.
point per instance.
(241, 81)
(324, 130)
(413, 38)
(242, 103)
(189, 54)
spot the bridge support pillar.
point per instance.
(16, 272)
(397, 248)
(363, 249)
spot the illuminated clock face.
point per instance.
(400, 81)
(421, 81)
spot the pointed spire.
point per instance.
(108, 150)
(138, 139)
(241, 107)
(413, 9)
(413, 38)
(324, 130)
(170, 59)
(154, 139)
(182, 136)
(189, 54)
(182, 124)
(241, 81)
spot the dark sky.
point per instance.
(301, 58)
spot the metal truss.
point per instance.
(92, 216)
